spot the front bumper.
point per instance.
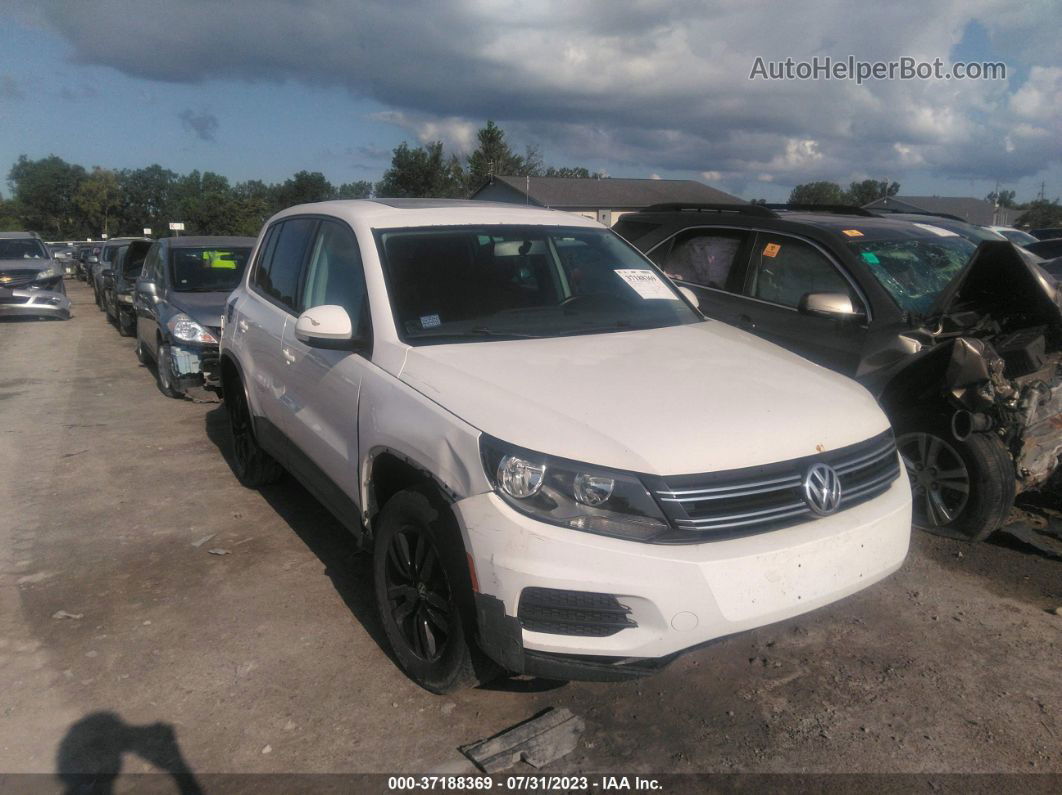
(34, 303)
(196, 370)
(680, 596)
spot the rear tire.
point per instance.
(141, 352)
(424, 592)
(253, 466)
(961, 489)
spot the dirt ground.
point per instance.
(268, 658)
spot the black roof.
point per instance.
(574, 192)
(864, 227)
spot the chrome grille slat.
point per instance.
(865, 461)
(746, 515)
(729, 494)
(802, 511)
(776, 483)
(725, 504)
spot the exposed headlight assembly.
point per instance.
(185, 329)
(49, 273)
(570, 494)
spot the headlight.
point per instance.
(185, 329)
(567, 493)
(49, 273)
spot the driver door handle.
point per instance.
(289, 357)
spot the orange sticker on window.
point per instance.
(852, 232)
(771, 250)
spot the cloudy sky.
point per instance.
(263, 88)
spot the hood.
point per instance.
(998, 281)
(26, 264)
(680, 400)
(204, 308)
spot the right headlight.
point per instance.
(570, 494)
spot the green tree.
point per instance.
(253, 203)
(860, 193)
(1041, 212)
(494, 157)
(147, 198)
(44, 191)
(421, 172)
(568, 172)
(303, 188)
(1003, 198)
(362, 189)
(98, 200)
(10, 219)
(817, 193)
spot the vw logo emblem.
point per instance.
(822, 489)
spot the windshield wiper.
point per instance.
(477, 333)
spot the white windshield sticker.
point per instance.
(936, 230)
(646, 283)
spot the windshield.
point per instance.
(208, 269)
(22, 248)
(915, 270)
(466, 283)
(1017, 236)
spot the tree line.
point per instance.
(66, 201)
(1037, 212)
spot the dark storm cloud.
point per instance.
(657, 84)
(204, 125)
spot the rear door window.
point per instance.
(278, 273)
(704, 257)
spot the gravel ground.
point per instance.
(125, 636)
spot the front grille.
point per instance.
(758, 499)
(584, 613)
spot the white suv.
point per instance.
(562, 468)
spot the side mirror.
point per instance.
(328, 327)
(837, 305)
(690, 296)
(148, 288)
(93, 259)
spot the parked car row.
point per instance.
(170, 294)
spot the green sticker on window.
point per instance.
(871, 257)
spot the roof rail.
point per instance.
(887, 210)
(740, 209)
(838, 209)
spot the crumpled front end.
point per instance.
(196, 370)
(34, 303)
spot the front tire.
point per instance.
(424, 592)
(961, 489)
(164, 372)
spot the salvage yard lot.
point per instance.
(141, 584)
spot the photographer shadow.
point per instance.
(90, 755)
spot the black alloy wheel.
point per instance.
(424, 592)
(418, 595)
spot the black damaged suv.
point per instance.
(961, 344)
